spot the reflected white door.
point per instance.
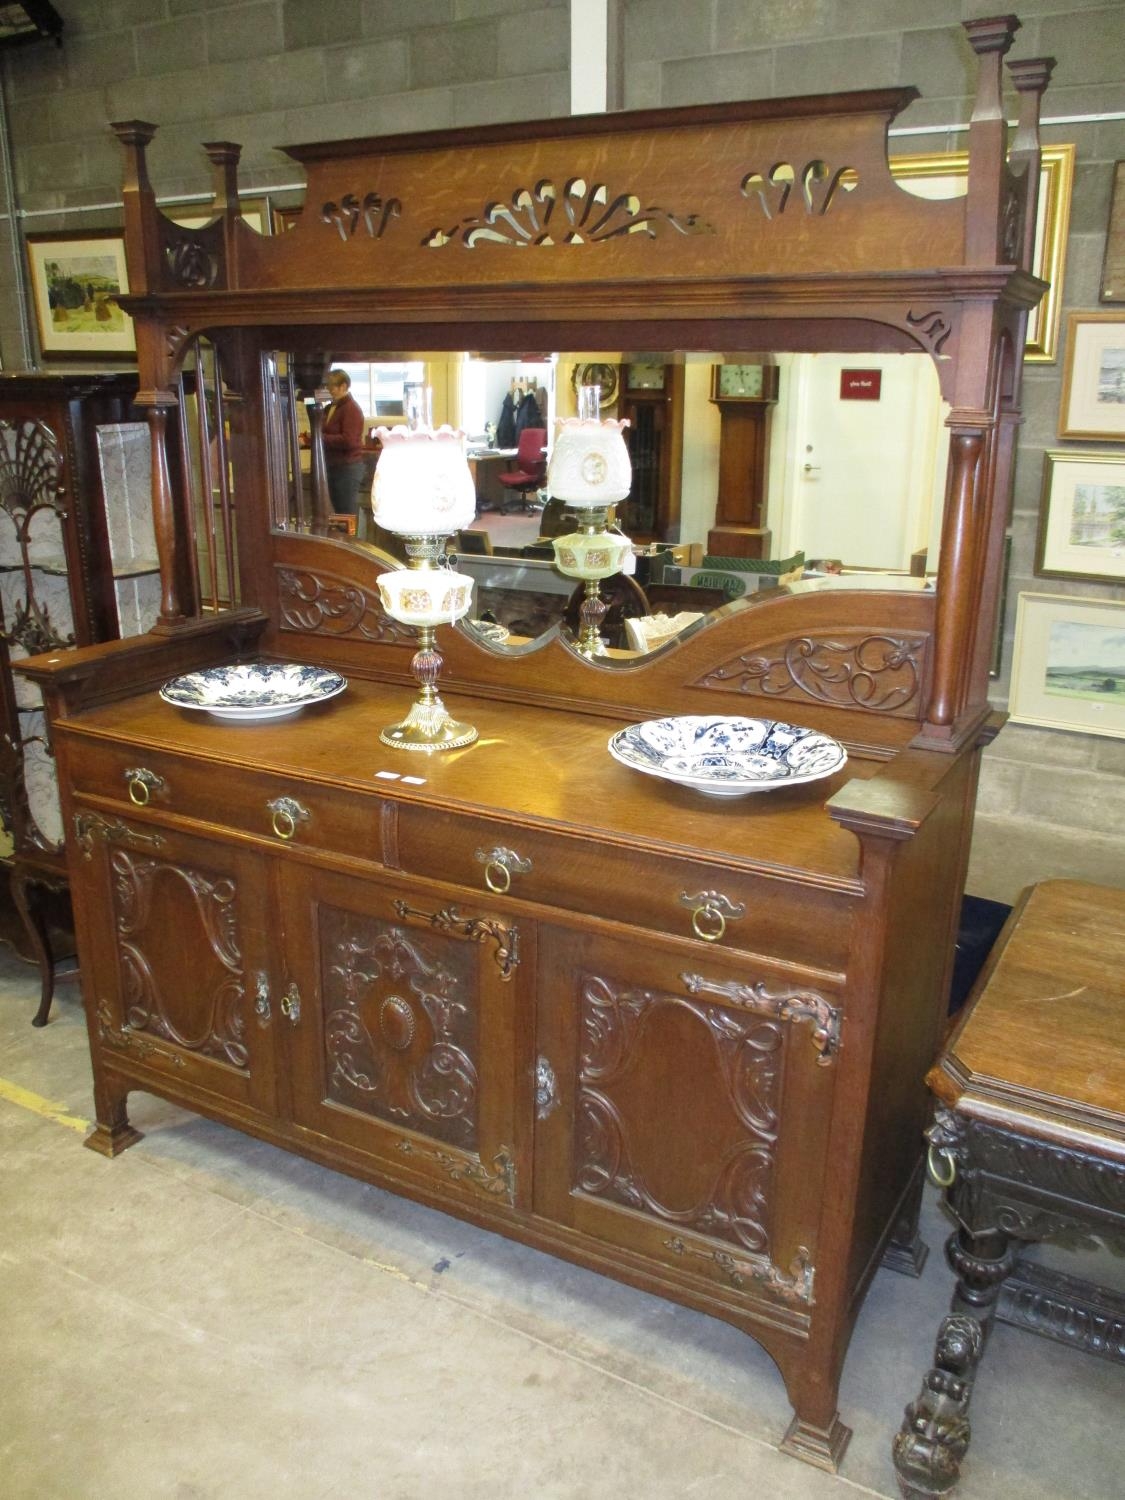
(865, 472)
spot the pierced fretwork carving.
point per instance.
(505, 935)
(322, 602)
(400, 1025)
(373, 211)
(747, 1049)
(589, 216)
(815, 185)
(499, 1182)
(796, 1285)
(191, 263)
(31, 466)
(786, 1005)
(880, 673)
(214, 1023)
(933, 327)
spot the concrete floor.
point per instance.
(209, 1317)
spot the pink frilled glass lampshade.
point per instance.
(424, 492)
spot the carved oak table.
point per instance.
(1029, 1144)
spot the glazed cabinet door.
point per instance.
(175, 947)
(682, 1109)
(404, 1027)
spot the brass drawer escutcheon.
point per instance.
(546, 1089)
(262, 997)
(286, 813)
(499, 867)
(291, 1003)
(141, 783)
(710, 913)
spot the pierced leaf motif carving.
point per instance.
(373, 211)
(31, 467)
(323, 602)
(584, 214)
(747, 1052)
(880, 673)
(934, 328)
(815, 186)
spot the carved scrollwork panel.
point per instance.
(726, 1196)
(322, 602)
(401, 1030)
(814, 186)
(583, 213)
(879, 673)
(204, 1013)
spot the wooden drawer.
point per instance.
(278, 808)
(797, 923)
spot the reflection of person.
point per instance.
(343, 444)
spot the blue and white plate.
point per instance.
(727, 757)
(253, 691)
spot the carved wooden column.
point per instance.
(957, 564)
(224, 157)
(990, 39)
(142, 237)
(1030, 79)
(163, 511)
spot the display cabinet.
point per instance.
(676, 1039)
(77, 565)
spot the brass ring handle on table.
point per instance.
(498, 867)
(710, 913)
(286, 813)
(933, 1156)
(140, 784)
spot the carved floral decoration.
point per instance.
(584, 213)
(880, 673)
(323, 602)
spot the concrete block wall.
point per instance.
(263, 72)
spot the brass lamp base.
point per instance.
(428, 726)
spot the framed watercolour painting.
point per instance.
(76, 281)
(1082, 517)
(1068, 670)
(945, 174)
(1093, 393)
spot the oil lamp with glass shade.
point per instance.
(424, 492)
(590, 473)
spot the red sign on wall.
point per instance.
(860, 385)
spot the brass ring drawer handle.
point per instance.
(710, 913)
(286, 813)
(141, 783)
(499, 866)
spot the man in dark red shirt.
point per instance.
(343, 444)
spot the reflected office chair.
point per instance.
(531, 466)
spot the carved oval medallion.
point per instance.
(396, 1023)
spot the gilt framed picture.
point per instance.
(76, 283)
(1068, 668)
(1082, 517)
(1093, 392)
(945, 174)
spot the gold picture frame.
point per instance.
(945, 175)
(75, 283)
(1068, 666)
(1093, 389)
(1082, 517)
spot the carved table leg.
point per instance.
(906, 1250)
(112, 1132)
(35, 922)
(934, 1436)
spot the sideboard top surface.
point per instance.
(529, 765)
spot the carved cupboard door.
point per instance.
(682, 1110)
(404, 1044)
(176, 955)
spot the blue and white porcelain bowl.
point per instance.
(727, 757)
(253, 691)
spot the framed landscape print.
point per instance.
(1093, 393)
(1082, 517)
(76, 280)
(1068, 671)
(945, 174)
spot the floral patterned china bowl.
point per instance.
(253, 691)
(727, 757)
